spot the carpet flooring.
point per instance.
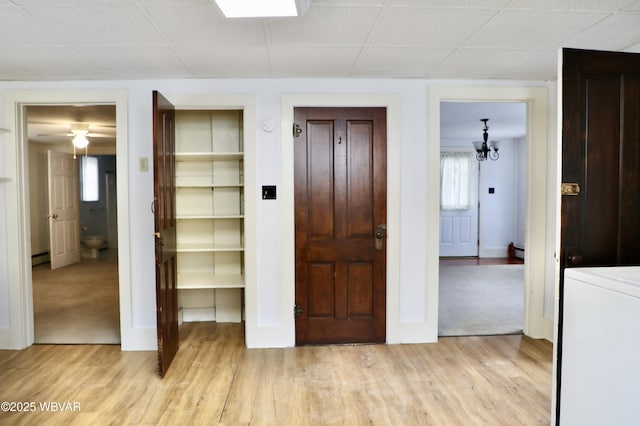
(481, 300)
(77, 304)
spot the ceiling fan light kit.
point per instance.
(80, 140)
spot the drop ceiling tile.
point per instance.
(18, 28)
(542, 66)
(532, 29)
(485, 63)
(132, 62)
(570, 5)
(208, 61)
(54, 59)
(348, 2)
(616, 32)
(633, 7)
(98, 24)
(450, 4)
(411, 62)
(203, 23)
(635, 48)
(312, 61)
(427, 27)
(324, 25)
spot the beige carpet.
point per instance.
(77, 304)
(481, 300)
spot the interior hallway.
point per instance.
(497, 380)
(78, 303)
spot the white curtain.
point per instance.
(455, 180)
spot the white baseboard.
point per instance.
(197, 314)
(493, 252)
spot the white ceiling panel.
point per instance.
(616, 32)
(462, 39)
(449, 4)
(211, 61)
(203, 23)
(19, 29)
(154, 61)
(483, 63)
(635, 6)
(532, 29)
(412, 62)
(98, 24)
(307, 61)
(321, 25)
(427, 27)
(570, 5)
(56, 59)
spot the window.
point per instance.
(89, 178)
(455, 180)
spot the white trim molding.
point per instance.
(285, 334)
(535, 324)
(20, 333)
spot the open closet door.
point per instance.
(600, 166)
(165, 230)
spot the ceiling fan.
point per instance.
(80, 134)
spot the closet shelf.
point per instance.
(209, 216)
(203, 156)
(207, 248)
(195, 280)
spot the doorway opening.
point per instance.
(73, 224)
(481, 279)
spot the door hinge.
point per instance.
(297, 311)
(296, 130)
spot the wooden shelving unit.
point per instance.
(210, 213)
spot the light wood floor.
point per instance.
(497, 380)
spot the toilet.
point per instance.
(94, 243)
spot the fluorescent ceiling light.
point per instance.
(262, 8)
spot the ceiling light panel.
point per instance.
(261, 8)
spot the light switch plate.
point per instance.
(268, 192)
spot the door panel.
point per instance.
(340, 199)
(64, 210)
(165, 230)
(459, 228)
(601, 153)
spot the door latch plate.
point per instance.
(570, 188)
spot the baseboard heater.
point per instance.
(518, 252)
(40, 258)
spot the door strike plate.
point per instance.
(570, 189)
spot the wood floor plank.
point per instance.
(493, 380)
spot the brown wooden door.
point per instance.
(165, 230)
(600, 153)
(340, 201)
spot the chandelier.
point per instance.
(486, 149)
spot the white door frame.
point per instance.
(20, 334)
(535, 324)
(392, 103)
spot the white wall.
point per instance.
(412, 94)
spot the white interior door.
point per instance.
(64, 212)
(459, 228)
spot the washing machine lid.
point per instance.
(622, 279)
